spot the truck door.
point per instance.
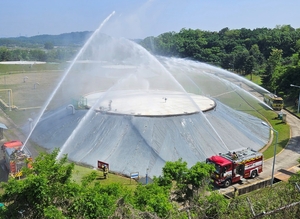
(240, 169)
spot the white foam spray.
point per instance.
(65, 75)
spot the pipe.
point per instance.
(10, 97)
(73, 108)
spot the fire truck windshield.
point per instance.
(217, 166)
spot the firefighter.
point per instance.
(234, 156)
(105, 170)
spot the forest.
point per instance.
(272, 54)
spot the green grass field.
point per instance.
(254, 78)
(81, 171)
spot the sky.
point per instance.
(138, 19)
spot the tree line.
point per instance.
(45, 48)
(62, 40)
(38, 54)
(272, 54)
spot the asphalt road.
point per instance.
(288, 157)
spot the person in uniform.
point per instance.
(105, 170)
(234, 156)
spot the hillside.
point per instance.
(65, 39)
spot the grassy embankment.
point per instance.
(282, 128)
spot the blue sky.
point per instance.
(141, 18)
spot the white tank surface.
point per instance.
(132, 143)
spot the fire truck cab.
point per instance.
(16, 157)
(236, 165)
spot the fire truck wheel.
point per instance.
(227, 183)
(254, 174)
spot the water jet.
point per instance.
(136, 111)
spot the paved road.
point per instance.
(287, 158)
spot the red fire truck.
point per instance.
(236, 165)
(15, 158)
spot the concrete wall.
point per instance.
(249, 188)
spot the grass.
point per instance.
(271, 117)
(254, 78)
(81, 171)
(8, 69)
(283, 130)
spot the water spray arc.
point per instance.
(132, 142)
(65, 75)
(136, 111)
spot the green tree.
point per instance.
(164, 44)
(48, 45)
(153, 198)
(37, 55)
(43, 188)
(5, 54)
(199, 176)
(47, 191)
(149, 44)
(258, 57)
(273, 62)
(176, 170)
(249, 65)
(192, 41)
(241, 56)
(186, 183)
(210, 205)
